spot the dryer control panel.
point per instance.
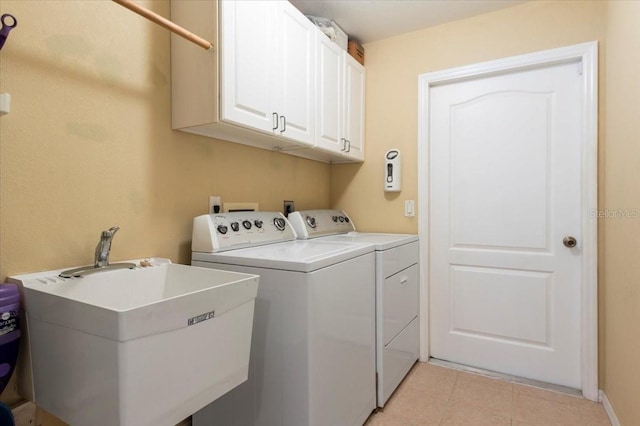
(320, 223)
(226, 231)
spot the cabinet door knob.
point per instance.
(284, 123)
(275, 121)
(348, 145)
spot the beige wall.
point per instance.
(393, 66)
(88, 144)
(620, 257)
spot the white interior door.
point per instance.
(505, 190)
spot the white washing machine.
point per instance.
(313, 344)
(397, 290)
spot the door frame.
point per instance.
(588, 54)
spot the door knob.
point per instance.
(569, 242)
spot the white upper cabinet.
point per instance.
(297, 72)
(248, 48)
(329, 95)
(353, 127)
(273, 81)
(340, 88)
(268, 62)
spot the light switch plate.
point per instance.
(409, 208)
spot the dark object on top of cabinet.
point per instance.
(356, 50)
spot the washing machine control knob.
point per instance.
(346, 219)
(279, 223)
(334, 218)
(235, 226)
(246, 224)
(341, 218)
(222, 229)
(258, 223)
(311, 221)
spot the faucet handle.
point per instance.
(110, 232)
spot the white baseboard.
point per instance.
(609, 409)
(24, 414)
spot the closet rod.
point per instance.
(171, 26)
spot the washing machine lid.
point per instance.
(380, 241)
(299, 255)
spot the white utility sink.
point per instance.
(142, 346)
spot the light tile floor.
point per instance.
(434, 395)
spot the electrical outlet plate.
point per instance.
(5, 103)
(288, 207)
(214, 200)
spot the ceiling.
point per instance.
(372, 20)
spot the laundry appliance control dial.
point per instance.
(279, 223)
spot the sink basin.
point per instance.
(142, 346)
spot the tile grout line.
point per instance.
(446, 405)
(513, 403)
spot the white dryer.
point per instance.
(313, 344)
(397, 290)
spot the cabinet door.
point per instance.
(354, 81)
(296, 62)
(329, 95)
(247, 45)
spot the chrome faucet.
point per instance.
(101, 263)
(104, 247)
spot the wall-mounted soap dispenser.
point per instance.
(392, 171)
